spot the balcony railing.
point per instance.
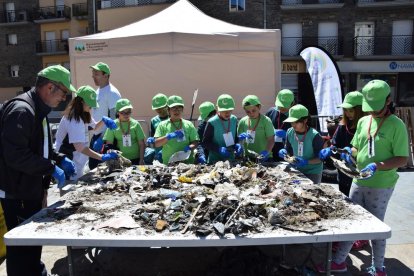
(306, 2)
(292, 45)
(51, 13)
(13, 16)
(383, 45)
(52, 46)
(104, 4)
(80, 9)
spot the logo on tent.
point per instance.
(79, 47)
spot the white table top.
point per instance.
(363, 226)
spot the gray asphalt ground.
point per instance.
(242, 261)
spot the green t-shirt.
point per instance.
(308, 150)
(221, 127)
(390, 141)
(263, 131)
(173, 146)
(136, 132)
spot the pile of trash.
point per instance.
(200, 199)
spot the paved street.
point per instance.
(207, 261)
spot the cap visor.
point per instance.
(176, 104)
(125, 107)
(94, 67)
(157, 107)
(281, 104)
(200, 118)
(291, 120)
(72, 88)
(372, 105)
(345, 105)
(225, 109)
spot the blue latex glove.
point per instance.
(243, 136)
(174, 135)
(224, 152)
(370, 168)
(109, 156)
(283, 153)
(109, 123)
(59, 175)
(150, 141)
(187, 148)
(97, 145)
(239, 149)
(280, 133)
(347, 156)
(264, 154)
(300, 162)
(325, 153)
(68, 167)
(201, 159)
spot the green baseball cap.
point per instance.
(59, 74)
(88, 94)
(159, 101)
(100, 66)
(284, 98)
(175, 100)
(250, 100)
(375, 93)
(225, 102)
(296, 112)
(122, 104)
(352, 99)
(205, 108)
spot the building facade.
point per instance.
(18, 36)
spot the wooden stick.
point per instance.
(191, 219)
(232, 215)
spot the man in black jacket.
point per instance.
(27, 160)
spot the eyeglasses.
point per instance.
(65, 91)
(125, 113)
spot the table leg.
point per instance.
(328, 258)
(70, 261)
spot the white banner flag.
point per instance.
(325, 81)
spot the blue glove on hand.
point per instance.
(224, 152)
(283, 153)
(97, 145)
(187, 148)
(347, 156)
(264, 154)
(370, 169)
(243, 136)
(174, 135)
(109, 123)
(280, 133)
(59, 175)
(325, 153)
(109, 156)
(68, 167)
(150, 141)
(201, 159)
(239, 149)
(300, 162)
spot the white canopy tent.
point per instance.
(177, 51)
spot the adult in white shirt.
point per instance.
(107, 96)
(75, 124)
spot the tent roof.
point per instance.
(181, 17)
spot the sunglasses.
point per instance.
(125, 113)
(58, 86)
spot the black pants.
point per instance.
(22, 260)
(344, 183)
(93, 163)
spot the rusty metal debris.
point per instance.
(221, 199)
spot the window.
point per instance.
(64, 35)
(328, 36)
(12, 39)
(291, 39)
(14, 71)
(237, 5)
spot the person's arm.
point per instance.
(289, 147)
(208, 138)
(79, 147)
(392, 163)
(141, 144)
(270, 143)
(317, 145)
